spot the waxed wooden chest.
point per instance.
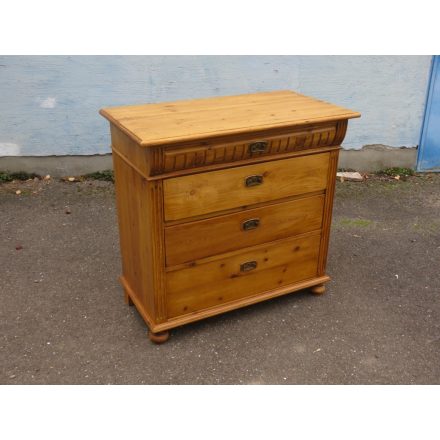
(223, 202)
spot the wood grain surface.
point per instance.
(180, 121)
(223, 280)
(213, 191)
(195, 240)
(209, 222)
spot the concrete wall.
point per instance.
(49, 104)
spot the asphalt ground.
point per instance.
(63, 319)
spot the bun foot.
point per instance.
(127, 298)
(318, 290)
(160, 337)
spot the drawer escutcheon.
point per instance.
(258, 147)
(254, 180)
(250, 224)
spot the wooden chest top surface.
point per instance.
(193, 120)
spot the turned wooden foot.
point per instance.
(127, 298)
(318, 290)
(160, 337)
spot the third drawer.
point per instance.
(204, 238)
(264, 268)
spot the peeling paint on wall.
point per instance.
(49, 104)
(9, 149)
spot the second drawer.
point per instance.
(192, 241)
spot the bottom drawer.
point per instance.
(243, 274)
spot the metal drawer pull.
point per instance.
(250, 224)
(258, 147)
(255, 180)
(249, 265)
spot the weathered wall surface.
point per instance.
(49, 104)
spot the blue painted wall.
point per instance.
(49, 104)
(429, 152)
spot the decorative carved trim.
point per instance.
(328, 208)
(341, 129)
(158, 249)
(170, 159)
(156, 157)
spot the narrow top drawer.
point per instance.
(213, 191)
(171, 159)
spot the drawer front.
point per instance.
(213, 191)
(173, 159)
(204, 238)
(249, 273)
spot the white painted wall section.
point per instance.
(49, 104)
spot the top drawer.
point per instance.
(213, 191)
(171, 158)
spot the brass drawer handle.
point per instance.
(258, 147)
(254, 180)
(250, 224)
(249, 265)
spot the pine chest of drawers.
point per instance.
(223, 202)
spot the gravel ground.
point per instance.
(63, 319)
